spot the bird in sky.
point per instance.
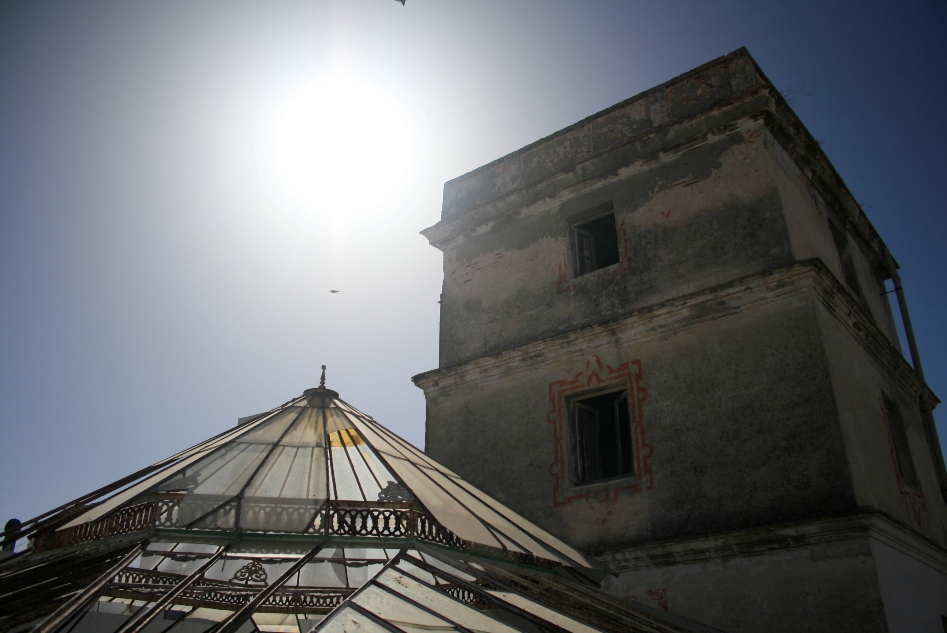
(333, 291)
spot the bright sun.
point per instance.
(341, 145)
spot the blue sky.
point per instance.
(161, 278)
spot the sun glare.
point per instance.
(341, 147)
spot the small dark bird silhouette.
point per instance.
(401, 1)
(333, 291)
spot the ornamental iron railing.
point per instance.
(391, 519)
(150, 585)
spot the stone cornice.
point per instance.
(779, 538)
(793, 281)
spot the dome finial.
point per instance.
(324, 395)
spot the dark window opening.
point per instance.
(595, 244)
(849, 276)
(601, 437)
(899, 438)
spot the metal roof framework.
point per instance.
(309, 517)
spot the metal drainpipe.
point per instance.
(927, 407)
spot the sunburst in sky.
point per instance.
(184, 183)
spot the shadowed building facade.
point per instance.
(665, 337)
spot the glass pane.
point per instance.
(278, 473)
(379, 472)
(336, 420)
(286, 492)
(275, 622)
(278, 515)
(175, 465)
(419, 573)
(389, 606)
(492, 516)
(271, 430)
(131, 492)
(323, 573)
(305, 623)
(365, 475)
(209, 615)
(227, 471)
(361, 574)
(444, 508)
(345, 483)
(197, 508)
(306, 430)
(346, 620)
(184, 560)
(542, 611)
(400, 446)
(569, 556)
(443, 565)
(442, 603)
(384, 441)
(224, 518)
(291, 472)
(148, 560)
(103, 616)
(220, 477)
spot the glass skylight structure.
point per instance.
(309, 517)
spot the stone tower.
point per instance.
(665, 337)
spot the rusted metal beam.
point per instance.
(136, 624)
(235, 621)
(87, 595)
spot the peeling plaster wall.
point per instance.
(686, 222)
(655, 118)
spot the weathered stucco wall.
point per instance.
(861, 373)
(737, 419)
(754, 354)
(913, 582)
(855, 573)
(807, 216)
(688, 220)
(813, 577)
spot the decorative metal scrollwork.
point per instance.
(395, 514)
(148, 585)
(251, 572)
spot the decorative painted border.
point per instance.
(595, 374)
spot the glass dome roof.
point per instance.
(309, 517)
(305, 467)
